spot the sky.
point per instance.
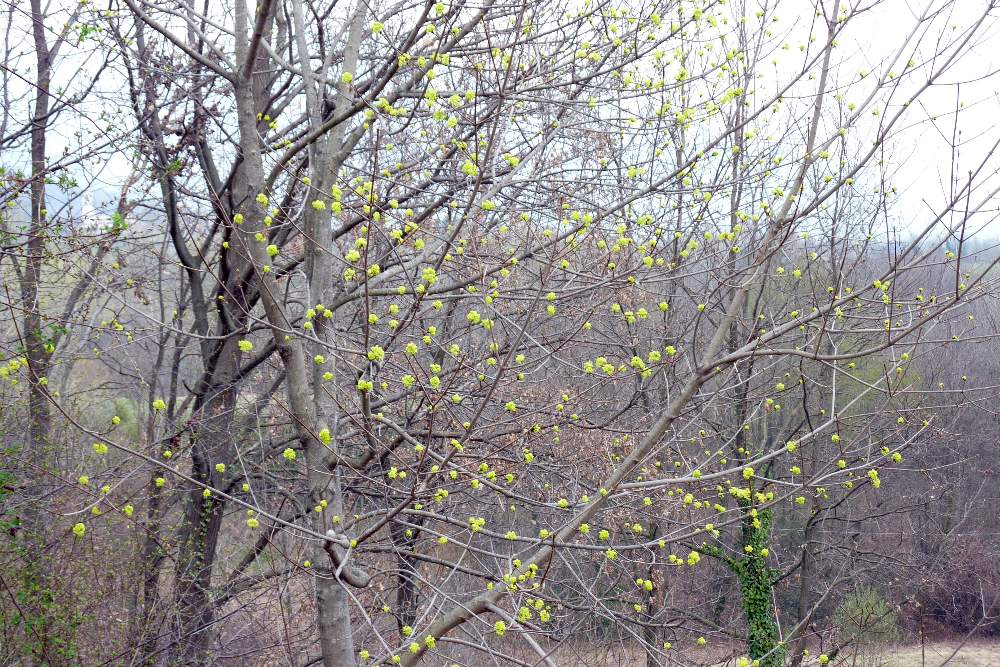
(921, 154)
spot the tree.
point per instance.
(481, 322)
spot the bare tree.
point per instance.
(464, 330)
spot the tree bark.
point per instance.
(332, 601)
(35, 453)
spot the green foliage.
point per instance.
(127, 410)
(47, 622)
(8, 522)
(42, 621)
(756, 587)
(865, 619)
(118, 224)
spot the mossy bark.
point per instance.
(757, 589)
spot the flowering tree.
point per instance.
(467, 328)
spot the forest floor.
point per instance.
(972, 654)
(940, 653)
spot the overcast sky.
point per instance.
(921, 153)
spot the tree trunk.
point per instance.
(34, 456)
(806, 572)
(198, 538)
(333, 605)
(757, 589)
(651, 634)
